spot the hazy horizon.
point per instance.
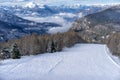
(60, 2)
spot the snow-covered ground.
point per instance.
(81, 62)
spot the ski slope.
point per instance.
(81, 62)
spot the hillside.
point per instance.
(102, 23)
(12, 26)
(81, 62)
(98, 27)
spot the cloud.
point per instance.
(58, 18)
(69, 15)
(65, 27)
(52, 19)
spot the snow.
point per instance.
(114, 59)
(33, 5)
(81, 62)
(30, 5)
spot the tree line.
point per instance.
(37, 44)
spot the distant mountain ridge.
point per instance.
(12, 26)
(42, 10)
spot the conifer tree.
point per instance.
(51, 47)
(15, 54)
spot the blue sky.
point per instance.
(59, 2)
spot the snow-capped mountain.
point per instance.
(33, 5)
(37, 17)
(42, 10)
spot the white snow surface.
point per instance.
(81, 62)
(33, 5)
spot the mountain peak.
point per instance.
(33, 5)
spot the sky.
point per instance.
(60, 2)
(87, 1)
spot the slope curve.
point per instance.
(81, 62)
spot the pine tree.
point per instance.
(51, 47)
(15, 52)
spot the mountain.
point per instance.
(9, 15)
(98, 28)
(6, 16)
(42, 10)
(33, 5)
(37, 12)
(12, 26)
(31, 9)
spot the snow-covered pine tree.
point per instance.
(15, 53)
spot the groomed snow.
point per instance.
(81, 62)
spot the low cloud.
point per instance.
(65, 27)
(69, 15)
(58, 18)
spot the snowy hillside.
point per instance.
(81, 62)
